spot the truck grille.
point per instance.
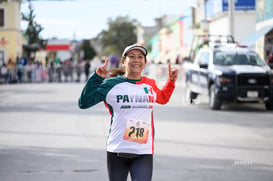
(253, 80)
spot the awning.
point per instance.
(57, 47)
(252, 39)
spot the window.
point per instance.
(203, 58)
(255, 60)
(237, 58)
(2, 18)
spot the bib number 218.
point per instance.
(137, 131)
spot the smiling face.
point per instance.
(134, 64)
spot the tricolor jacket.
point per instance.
(130, 103)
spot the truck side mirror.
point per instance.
(204, 66)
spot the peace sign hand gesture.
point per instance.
(102, 70)
(172, 73)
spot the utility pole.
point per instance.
(231, 17)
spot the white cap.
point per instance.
(134, 47)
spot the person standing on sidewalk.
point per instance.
(270, 60)
(87, 69)
(130, 98)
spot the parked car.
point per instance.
(228, 73)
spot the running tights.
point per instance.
(120, 164)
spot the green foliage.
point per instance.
(33, 29)
(89, 51)
(120, 33)
(32, 33)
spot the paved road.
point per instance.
(45, 137)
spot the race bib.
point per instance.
(137, 131)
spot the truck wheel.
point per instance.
(189, 96)
(269, 106)
(214, 102)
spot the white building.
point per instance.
(240, 22)
(251, 22)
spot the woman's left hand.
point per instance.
(172, 73)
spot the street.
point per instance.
(44, 136)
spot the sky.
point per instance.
(85, 19)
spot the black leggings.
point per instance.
(139, 166)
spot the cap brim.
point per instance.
(142, 49)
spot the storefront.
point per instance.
(60, 49)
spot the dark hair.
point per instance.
(117, 71)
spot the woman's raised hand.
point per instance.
(172, 73)
(102, 70)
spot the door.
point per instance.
(203, 63)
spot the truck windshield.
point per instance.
(237, 58)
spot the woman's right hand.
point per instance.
(102, 70)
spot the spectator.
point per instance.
(87, 69)
(28, 69)
(39, 71)
(11, 71)
(270, 60)
(4, 73)
(19, 71)
(79, 70)
(51, 71)
(66, 70)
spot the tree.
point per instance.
(120, 33)
(89, 52)
(33, 30)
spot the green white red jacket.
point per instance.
(130, 103)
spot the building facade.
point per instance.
(10, 31)
(264, 28)
(237, 20)
(249, 22)
(172, 42)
